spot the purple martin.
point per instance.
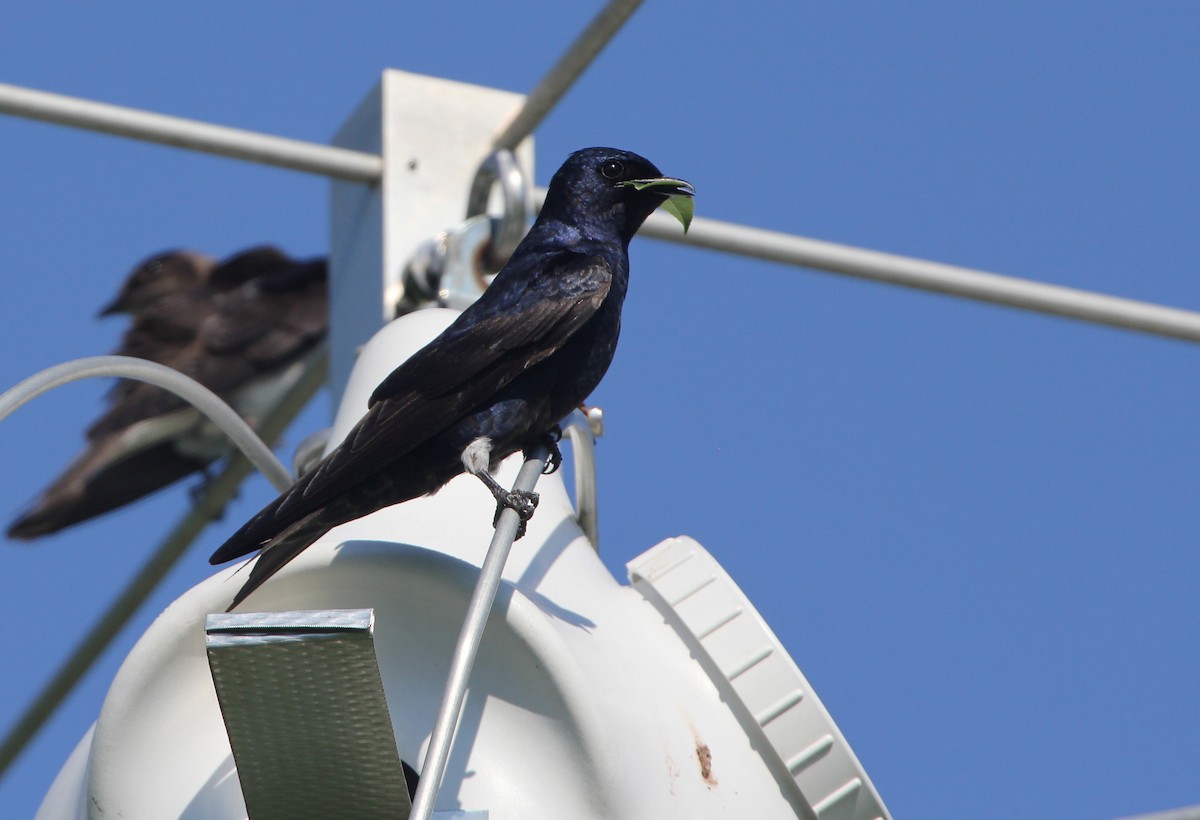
(498, 379)
(242, 328)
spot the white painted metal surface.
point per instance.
(432, 134)
(584, 702)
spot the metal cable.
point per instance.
(1011, 291)
(921, 274)
(216, 494)
(185, 387)
(565, 72)
(1188, 813)
(727, 237)
(577, 428)
(446, 724)
(298, 155)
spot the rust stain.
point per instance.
(704, 755)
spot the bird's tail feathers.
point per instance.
(281, 550)
(96, 483)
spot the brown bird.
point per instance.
(242, 328)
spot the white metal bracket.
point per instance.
(433, 134)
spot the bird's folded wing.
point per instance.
(159, 333)
(488, 346)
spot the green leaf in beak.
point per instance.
(677, 196)
(681, 207)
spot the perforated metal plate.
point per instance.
(304, 707)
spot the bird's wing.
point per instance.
(158, 333)
(254, 330)
(137, 402)
(102, 478)
(522, 316)
(222, 340)
(470, 361)
(161, 333)
(489, 345)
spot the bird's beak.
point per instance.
(114, 307)
(677, 196)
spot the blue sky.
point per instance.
(975, 529)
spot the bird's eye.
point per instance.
(612, 169)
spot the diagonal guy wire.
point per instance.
(558, 81)
(215, 496)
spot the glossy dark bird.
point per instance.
(495, 382)
(242, 328)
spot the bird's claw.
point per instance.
(522, 502)
(554, 458)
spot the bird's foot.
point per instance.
(551, 439)
(522, 502)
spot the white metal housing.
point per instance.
(585, 701)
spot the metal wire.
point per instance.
(712, 234)
(1188, 813)
(578, 430)
(921, 274)
(187, 388)
(183, 133)
(446, 724)
(215, 496)
(1011, 291)
(565, 72)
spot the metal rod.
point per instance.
(578, 429)
(185, 387)
(980, 285)
(565, 72)
(446, 724)
(705, 233)
(213, 500)
(1188, 813)
(968, 283)
(298, 155)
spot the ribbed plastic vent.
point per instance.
(679, 577)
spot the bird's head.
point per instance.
(615, 189)
(162, 275)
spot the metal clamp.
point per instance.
(507, 231)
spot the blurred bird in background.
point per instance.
(244, 328)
